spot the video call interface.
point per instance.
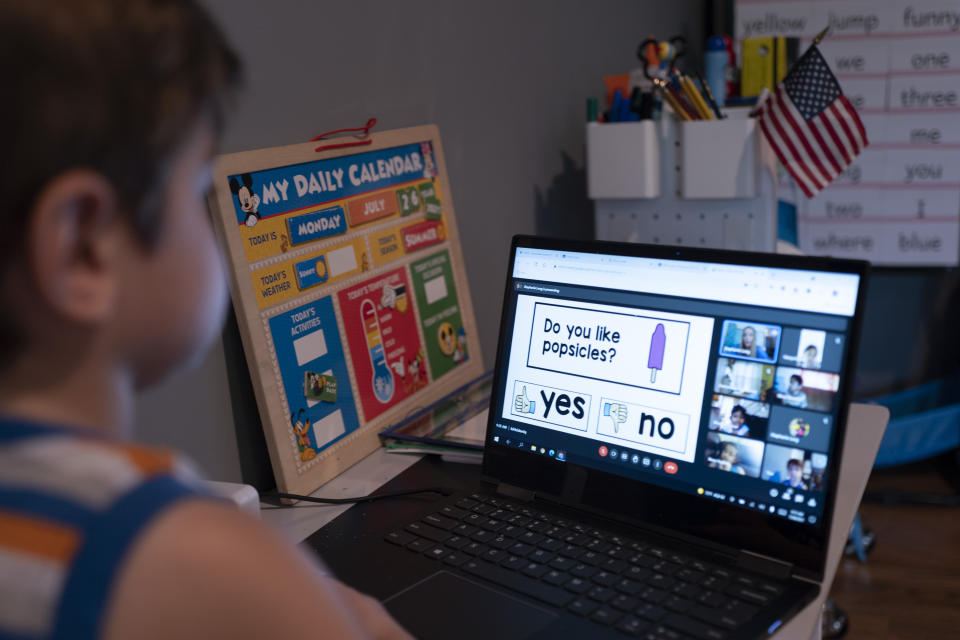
(727, 401)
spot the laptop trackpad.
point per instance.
(447, 606)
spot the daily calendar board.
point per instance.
(898, 62)
(350, 292)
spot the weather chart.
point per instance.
(349, 286)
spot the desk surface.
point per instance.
(298, 522)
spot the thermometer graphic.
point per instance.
(382, 377)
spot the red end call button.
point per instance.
(602, 452)
(670, 467)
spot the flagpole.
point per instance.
(819, 37)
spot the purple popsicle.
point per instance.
(657, 345)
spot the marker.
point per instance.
(617, 107)
(625, 114)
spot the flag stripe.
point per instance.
(846, 128)
(843, 130)
(848, 109)
(791, 151)
(785, 159)
(789, 161)
(826, 145)
(829, 140)
(802, 129)
(832, 124)
(777, 145)
(802, 161)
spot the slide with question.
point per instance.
(614, 374)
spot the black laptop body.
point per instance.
(661, 457)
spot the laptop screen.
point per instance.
(695, 372)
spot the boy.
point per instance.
(794, 396)
(795, 474)
(729, 459)
(810, 359)
(110, 280)
(738, 422)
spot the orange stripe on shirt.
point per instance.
(37, 537)
(149, 461)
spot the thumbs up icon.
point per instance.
(522, 403)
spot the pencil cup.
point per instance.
(718, 159)
(623, 160)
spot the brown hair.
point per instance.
(110, 85)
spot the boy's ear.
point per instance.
(73, 243)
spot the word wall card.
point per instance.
(349, 286)
(898, 62)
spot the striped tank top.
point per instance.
(71, 504)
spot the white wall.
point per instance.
(506, 82)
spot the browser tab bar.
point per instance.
(796, 289)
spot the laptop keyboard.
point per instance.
(641, 589)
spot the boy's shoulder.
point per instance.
(72, 505)
(88, 469)
(102, 526)
(206, 570)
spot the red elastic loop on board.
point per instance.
(364, 138)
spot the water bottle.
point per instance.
(715, 68)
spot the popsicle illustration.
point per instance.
(657, 345)
(382, 377)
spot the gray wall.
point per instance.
(506, 82)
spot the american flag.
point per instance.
(812, 127)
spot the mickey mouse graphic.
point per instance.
(249, 201)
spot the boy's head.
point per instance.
(796, 383)
(738, 415)
(795, 469)
(729, 452)
(113, 107)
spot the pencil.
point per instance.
(671, 99)
(709, 95)
(682, 101)
(696, 98)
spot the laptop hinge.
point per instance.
(515, 492)
(764, 565)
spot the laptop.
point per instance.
(661, 456)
